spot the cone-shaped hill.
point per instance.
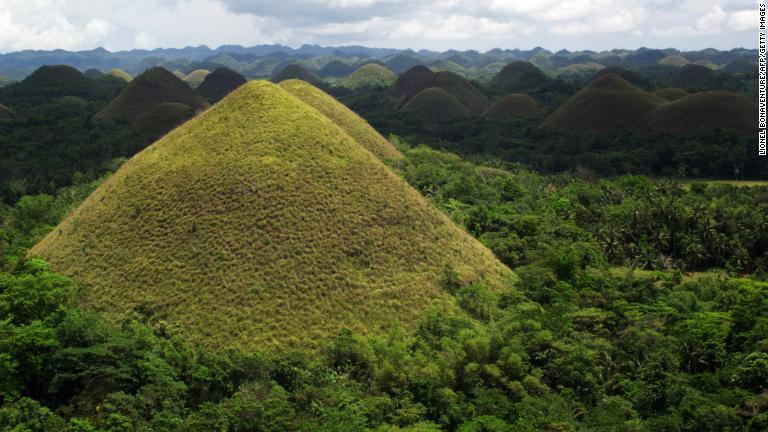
(671, 93)
(220, 83)
(607, 103)
(519, 76)
(434, 106)
(674, 60)
(261, 223)
(47, 84)
(370, 75)
(420, 78)
(196, 77)
(145, 92)
(695, 76)
(514, 106)
(354, 125)
(294, 71)
(707, 110)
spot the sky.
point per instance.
(417, 24)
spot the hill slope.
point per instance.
(434, 106)
(294, 71)
(608, 102)
(220, 83)
(420, 78)
(516, 105)
(119, 73)
(707, 110)
(344, 117)
(671, 93)
(146, 91)
(370, 75)
(47, 84)
(196, 77)
(260, 223)
(519, 76)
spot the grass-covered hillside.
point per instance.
(370, 75)
(420, 78)
(516, 105)
(261, 223)
(435, 106)
(196, 77)
(354, 125)
(519, 76)
(294, 71)
(607, 103)
(671, 93)
(146, 91)
(706, 110)
(119, 73)
(220, 83)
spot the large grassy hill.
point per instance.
(47, 84)
(119, 73)
(196, 77)
(220, 83)
(706, 110)
(294, 71)
(434, 106)
(146, 91)
(607, 103)
(370, 75)
(354, 125)
(261, 223)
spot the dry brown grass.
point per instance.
(261, 223)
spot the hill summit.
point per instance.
(519, 76)
(420, 78)
(261, 223)
(145, 92)
(370, 75)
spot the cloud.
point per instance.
(434, 24)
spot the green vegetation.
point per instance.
(693, 77)
(670, 94)
(146, 91)
(435, 106)
(220, 83)
(706, 110)
(261, 223)
(49, 83)
(119, 73)
(516, 105)
(421, 78)
(609, 102)
(519, 77)
(196, 77)
(294, 71)
(370, 75)
(6, 113)
(346, 119)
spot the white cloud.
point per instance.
(436, 24)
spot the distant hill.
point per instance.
(47, 84)
(706, 111)
(119, 73)
(671, 93)
(419, 78)
(370, 75)
(609, 102)
(261, 224)
(519, 77)
(345, 118)
(510, 107)
(336, 69)
(220, 83)
(434, 106)
(740, 66)
(162, 118)
(695, 76)
(674, 60)
(145, 92)
(631, 77)
(294, 71)
(196, 77)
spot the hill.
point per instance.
(607, 103)
(294, 71)
(162, 118)
(47, 84)
(706, 111)
(516, 105)
(434, 106)
(119, 73)
(345, 118)
(695, 76)
(420, 78)
(519, 77)
(671, 93)
(220, 83)
(740, 66)
(674, 60)
(631, 77)
(261, 224)
(6, 113)
(335, 69)
(196, 77)
(370, 75)
(146, 91)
